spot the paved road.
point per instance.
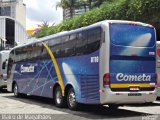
(36, 108)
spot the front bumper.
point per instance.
(3, 83)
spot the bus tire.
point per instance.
(15, 90)
(113, 106)
(71, 100)
(1, 89)
(58, 98)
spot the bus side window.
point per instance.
(44, 53)
(64, 41)
(81, 43)
(38, 49)
(94, 38)
(68, 46)
(24, 54)
(33, 52)
(29, 52)
(55, 46)
(18, 54)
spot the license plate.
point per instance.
(134, 94)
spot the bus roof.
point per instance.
(81, 29)
(129, 22)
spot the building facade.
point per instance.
(12, 33)
(76, 12)
(15, 9)
(80, 7)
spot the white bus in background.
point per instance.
(158, 67)
(4, 55)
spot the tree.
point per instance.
(42, 29)
(90, 4)
(68, 4)
(63, 3)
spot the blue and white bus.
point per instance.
(107, 63)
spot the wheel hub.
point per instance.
(58, 97)
(72, 99)
(15, 90)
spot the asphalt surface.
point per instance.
(37, 108)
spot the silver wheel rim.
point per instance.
(72, 99)
(15, 90)
(58, 97)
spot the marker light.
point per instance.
(106, 79)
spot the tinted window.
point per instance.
(132, 35)
(44, 53)
(94, 38)
(23, 55)
(81, 43)
(30, 52)
(36, 51)
(20, 54)
(68, 46)
(64, 41)
(55, 46)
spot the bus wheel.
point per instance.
(58, 98)
(71, 100)
(1, 89)
(15, 90)
(113, 107)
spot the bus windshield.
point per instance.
(132, 35)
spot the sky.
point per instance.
(39, 11)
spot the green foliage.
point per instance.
(135, 10)
(43, 32)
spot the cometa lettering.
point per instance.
(27, 69)
(130, 78)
